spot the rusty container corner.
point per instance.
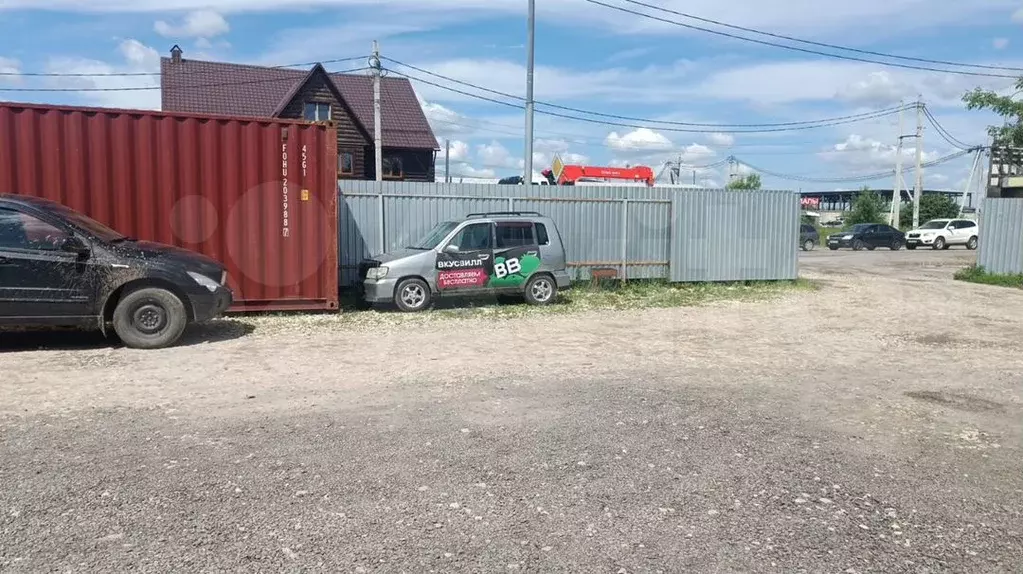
(258, 195)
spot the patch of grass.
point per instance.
(977, 274)
(583, 297)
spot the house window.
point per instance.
(317, 112)
(346, 163)
(393, 168)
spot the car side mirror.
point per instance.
(72, 244)
(450, 248)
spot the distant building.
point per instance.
(841, 200)
(409, 145)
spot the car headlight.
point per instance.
(204, 281)
(847, 237)
(376, 272)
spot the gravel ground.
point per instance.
(872, 425)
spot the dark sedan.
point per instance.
(868, 236)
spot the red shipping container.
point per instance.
(258, 195)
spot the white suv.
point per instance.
(944, 233)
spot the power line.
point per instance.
(850, 117)
(875, 115)
(142, 74)
(944, 133)
(820, 44)
(853, 178)
(148, 88)
(793, 48)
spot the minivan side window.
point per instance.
(541, 235)
(514, 234)
(474, 237)
(22, 231)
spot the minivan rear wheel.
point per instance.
(541, 290)
(412, 295)
(150, 318)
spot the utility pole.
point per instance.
(919, 187)
(447, 161)
(531, 29)
(897, 191)
(378, 141)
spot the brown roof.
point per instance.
(196, 86)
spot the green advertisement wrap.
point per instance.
(512, 269)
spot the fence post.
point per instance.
(625, 239)
(511, 204)
(380, 215)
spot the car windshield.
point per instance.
(860, 227)
(935, 224)
(435, 236)
(89, 225)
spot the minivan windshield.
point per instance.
(435, 236)
(88, 224)
(935, 224)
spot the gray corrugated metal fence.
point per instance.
(1000, 248)
(629, 228)
(734, 236)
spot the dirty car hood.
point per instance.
(159, 252)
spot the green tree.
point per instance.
(867, 207)
(1011, 132)
(746, 182)
(935, 206)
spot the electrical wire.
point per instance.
(140, 74)
(850, 117)
(944, 133)
(875, 115)
(853, 178)
(191, 86)
(820, 44)
(795, 48)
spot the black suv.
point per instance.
(808, 236)
(61, 268)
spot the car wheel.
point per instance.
(150, 318)
(972, 243)
(412, 295)
(833, 248)
(858, 245)
(808, 245)
(896, 245)
(939, 243)
(541, 290)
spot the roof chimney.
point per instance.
(176, 54)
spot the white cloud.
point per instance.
(1000, 43)
(9, 68)
(496, 156)
(802, 17)
(203, 24)
(136, 58)
(651, 84)
(464, 171)
(799, 82)
(721, 139)
(638, 140)
(867, 155)
(1017, 16)
(459, 151)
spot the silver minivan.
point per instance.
(504, 252)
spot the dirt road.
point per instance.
(871, 425)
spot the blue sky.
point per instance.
(588, 57)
